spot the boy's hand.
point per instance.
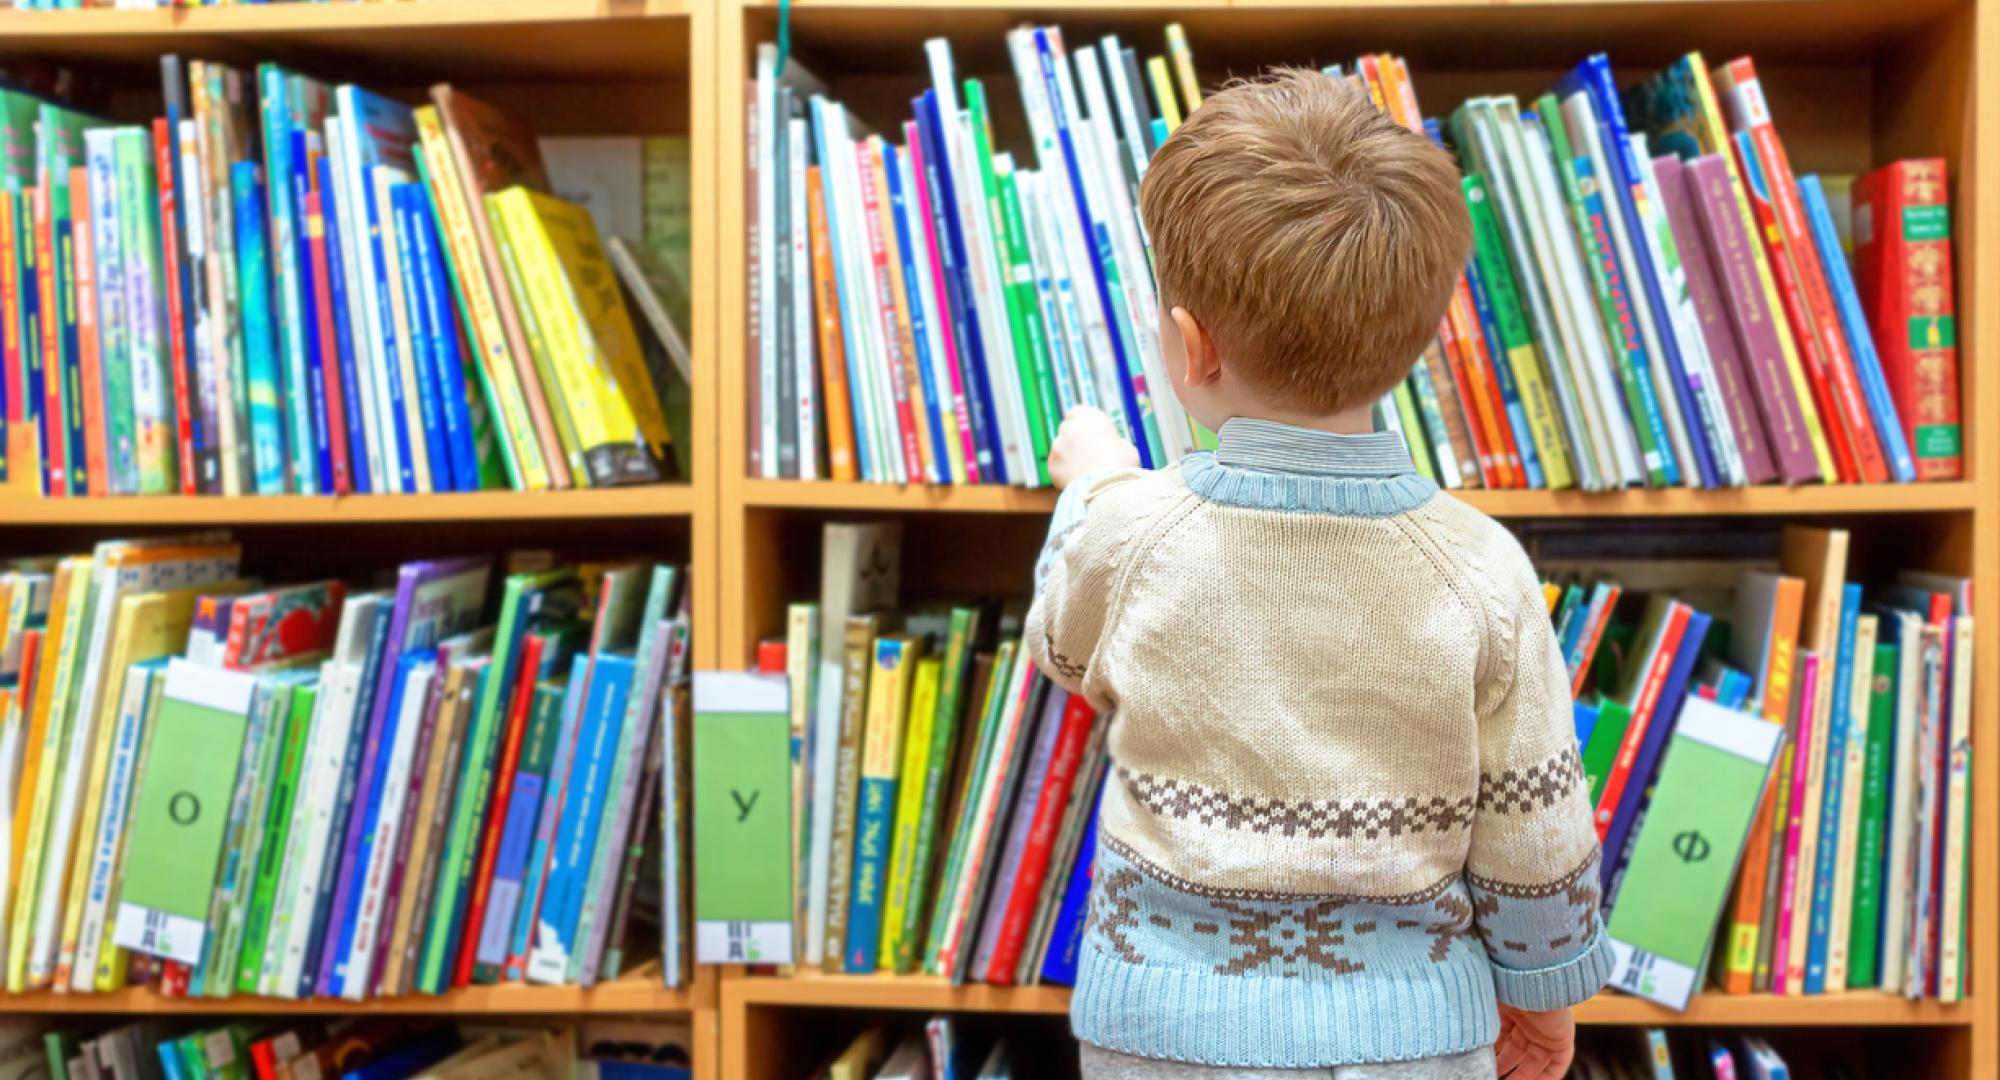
(1088, 443)
(1535, 1045)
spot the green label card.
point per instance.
(742, 819)
(1708, 789)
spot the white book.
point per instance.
(1124, 95)
(672, 809)
(352, 226)
(1072, 247)
(1853, 782)
(388, 837)
(766, 359)
(109, 841)
(1581, 117)
(949, 458)
(194, 244)
(860, 302)
(1082, 377)
(1616, 443)
(1061, 370)
(800, 252)
(1703, 385)
(1918, 974)
(404, 359)
(1008, 384)
(100, 152)
(1957, 827)
(1907, 633)
(1814, 762)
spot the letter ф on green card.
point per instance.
(1686, 855)
(742, 819)
(175, 838)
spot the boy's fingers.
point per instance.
(1507, 1055)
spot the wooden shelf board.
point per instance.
(639, 993)
(1674, 502)
(658, 501)
(285, 18)
(925, 993)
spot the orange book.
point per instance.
(96, 458)
(24, 694)
(839, 420)
(1780, 629)
(1478, 412)
(37, 717)
(1464, 319)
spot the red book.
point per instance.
(771, 657)
(1475, 418)
(1593, 635)
(1902, 256)
(1026, 889)
(321, 280)
(10, 329)
(173, 979)
(505, 767)
(1479, 360)
(1644, 703)
(170, 245)
(55, 438)
(1737, 82)
(97, 469)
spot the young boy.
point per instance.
(1345, 832)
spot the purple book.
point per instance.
(1706, 291)
(1047, 728)
(434, 600)
(1714, 197)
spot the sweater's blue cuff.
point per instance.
(1557, 986)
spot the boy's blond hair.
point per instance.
(1315, 239)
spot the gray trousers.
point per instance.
(1100, 1064)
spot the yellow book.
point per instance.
(909, 806)
(890, 674)
(144, 627)
(50, 733)
(537, 344)
(592, 306)
(36, 716)
(475, 291)
(1717, 140)
(1183, 57)
(1163, 91)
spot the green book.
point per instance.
(1613, 717)
(1037, 375)
(1026, 356)
(533, 597)
(1413, 430)
(277, 832)
(1870, 853)
(61, 1046)
(742, 819)
(263, 746)
(1710, 782)
(174, 843)
(957, 664)
(910, 775)
(990, 715)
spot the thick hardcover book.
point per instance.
(1903, 260)
(1882, 411)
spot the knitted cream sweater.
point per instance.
(1345, 812)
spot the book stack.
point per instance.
(944, 792)
(361, 1049)
(218, 787)
(285, 286)
(1657, 1054)
(941, 1050)
(1655, 300)
(1849, 823)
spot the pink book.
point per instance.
(1714, 196)
(1785, 980)
(1716, 332)
(945, 334)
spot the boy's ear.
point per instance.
(1204, 363)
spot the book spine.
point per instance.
(1903, 255)
(1631, 808)
(1517, 347)
(908, 809)
(49, 252)
(959, 329)
(839, 418)
(1827, 862)
(1052, 800)
(1645, 703)
(936, 424)
(1811, 814)
(1957, 764)
(1855, 695)
(1919, 937)
(938, 762)
(347, 412)
(265, 375)
(90, 372)
(549, 817)
(1886, 422)
(967, 327)
(643, 839)
(476, 960)
(1871, 849)
(620, 830)
(322, 347)
(1471, 369)
(888, 699)
(942, 386)
(1782, 978)
(901, 421)
(278, 821)
(423, 364)
(853, 709)
(582, 814)
(805, 398)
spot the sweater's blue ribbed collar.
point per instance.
(1273, 466)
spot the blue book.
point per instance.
(275, 111)
(851, 346)
(169, 1053)
(313, 358)
(1840, 726)
(1639, 788)
(430, 405)
(31, 341)
(266, 392)
(1854, 324)
(957, 288)
(639, 1070)
(1627, 176)
(584, 797)
(1734, 689)
(440, 318)
(76, 475)
(396, 425)
(899, 204)
(1585, 719)
(350, 779)
(535, 877)
(1066, 940)
(1510, 393)
(342, 346)
(409, 1058)
(1630, 342)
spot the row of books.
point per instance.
(218, 787)
(1655, 299)
(285, 286)
(940, 1051)
(347, 1048)
(1775, 723)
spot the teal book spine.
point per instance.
(1839, 730)
(266, 389)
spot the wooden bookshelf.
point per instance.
(1852, 82)
(660, 501)
(638, 993)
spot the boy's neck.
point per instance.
(1355, 420)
